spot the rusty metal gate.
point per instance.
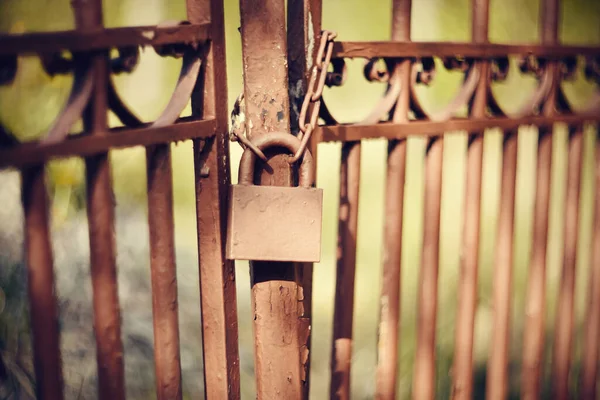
(275, 61)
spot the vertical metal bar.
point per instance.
(304, 29)
(591, 344)
(497, 376)
(100, 212)
(467, 290)
(533, 342)
(389, 312)
(563, 336)
(40, 280)
(164, 277)
(212, 178)
(274, 289)
(341, 347)
(535, 306)
(424, 375)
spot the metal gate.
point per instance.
(280, 71)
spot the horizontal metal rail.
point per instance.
(82, 146)
(451, 49)
(49, 42)
(350, 133)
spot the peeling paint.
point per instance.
(238, 121)
(311, 43)
(297, 95)
(149, 34)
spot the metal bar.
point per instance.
(563, 336)
(389, 312)
(533, 342)
(88, 145)
(535, 303)
(424, 375)
(591, 344)
(212, 175)
(165, 318)
(40, 279)
(100, 212)
(104, 39)
(274, 289)
(304, 30)
(351, 133)
(394, 49)
(497, 375)
(341, 348)
(462, 370)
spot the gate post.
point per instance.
(212, 178)
(275, 292)
(304, 30)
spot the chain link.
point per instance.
(317, 81)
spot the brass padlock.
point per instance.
(274, 223)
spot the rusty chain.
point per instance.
(318, 80)
(316, 84)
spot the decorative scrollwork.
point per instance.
(8, 69)
(528, 64)
(423, 72)
(499, 67)
(79, 97)
(337, 77)
(125, 61)
(190, 68)
(57, 63)
(374, 71)
(567, 68)
(592, 69)
(549, 72)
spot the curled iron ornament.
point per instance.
(373, 71)
(190, 69)
(567, 68)
(422, 72)
(592, 69)
(57, 63)
(191, 53)
(471, 72)
(81, 92)
(499, 68)
(8, 68)
(126, 61)
(337, 77)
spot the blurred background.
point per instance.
(30, 104)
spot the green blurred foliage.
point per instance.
(28, 107)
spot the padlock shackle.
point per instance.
(276, 139)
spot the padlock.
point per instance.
(274, 223)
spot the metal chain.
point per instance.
(317, 82)
(318, 75)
